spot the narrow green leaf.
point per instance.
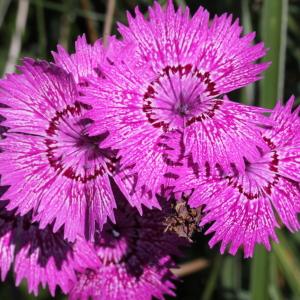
(274, 25)
(212, 280)
(91, 26)
(274, 31)
(231, 273)
(289, 263)
(247, 93)
(16, 38)
(41, 27)
(274, 290)
(260, 274)
(4, 4)
(67, 20)
(296, 235)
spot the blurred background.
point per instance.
(34, 28)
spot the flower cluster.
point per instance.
(107, 153)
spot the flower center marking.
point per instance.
(271, 177)
(179, 97)
(67, 144)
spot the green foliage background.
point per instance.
(274, 275)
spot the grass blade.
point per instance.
(212, 280)
(4, 4)
(231, 273)
(41, 27)
(274, 290)
(247, 93)
(91, 26)
(16, 41)
(260, 274)
(109, 17)
(274, 27)
(289, 263)
(67, 20)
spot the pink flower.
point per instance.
(243, 206)
(51, 164)
(135, 255)
(7, 248)
(170, 87)
(86, 64)
(87, 60)
(40, 256)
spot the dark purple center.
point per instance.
(260, 178)
(71, 152)
(179, 97)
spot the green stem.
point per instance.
(212, 280)
(289, 263)
(274, 27)
(260, 274)
(41, 27)
(247, 93)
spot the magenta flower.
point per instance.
(40, 256)
(135, 255)
(244, 206)
(7, 248)
(84, 62)
(87, 63)
(170, 87)
(50, 163)
(88, 59)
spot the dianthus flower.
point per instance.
(86, 64)
(245, 208)
(169, 87)
(41, 256)
(136, 255)
(88, 59)
(51, 164)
